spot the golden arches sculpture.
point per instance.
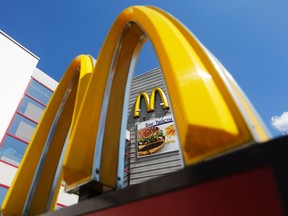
(211, 112)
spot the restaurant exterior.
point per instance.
(168, 159)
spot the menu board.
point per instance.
(156, 136)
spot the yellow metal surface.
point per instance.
(162, 96)
(17, 194)
(138, 101)
(207, 116)
(260, 131)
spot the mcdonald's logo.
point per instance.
(73, 138)
(150, 102)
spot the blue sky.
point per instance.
(250, 38)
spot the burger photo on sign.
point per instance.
(150, 140)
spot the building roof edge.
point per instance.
(18, 44)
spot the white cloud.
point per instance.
(280, 122)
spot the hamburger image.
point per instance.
(150, 140)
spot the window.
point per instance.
(12, 150)
(31, 109)
(39, 92)
(22, 128)
(3, 191)
(59, 206)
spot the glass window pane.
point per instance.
(39, 92)
(3, 192)
(12, 150)
(31, 109)
(58, 207)
(22, 128)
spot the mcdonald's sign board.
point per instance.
(150, 102)
(156, 136)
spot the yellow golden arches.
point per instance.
(35, 187)
(150, 103)
(138, 101)
(209, 117)
(162, 96)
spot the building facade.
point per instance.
(24, 92)
(144, 167)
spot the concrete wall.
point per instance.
(16, 67)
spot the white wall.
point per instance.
(44, 79)
(16, 67)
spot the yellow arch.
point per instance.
(209, 118)
(162, 96)
(36, 174)
(138, 101)
(211, 113)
